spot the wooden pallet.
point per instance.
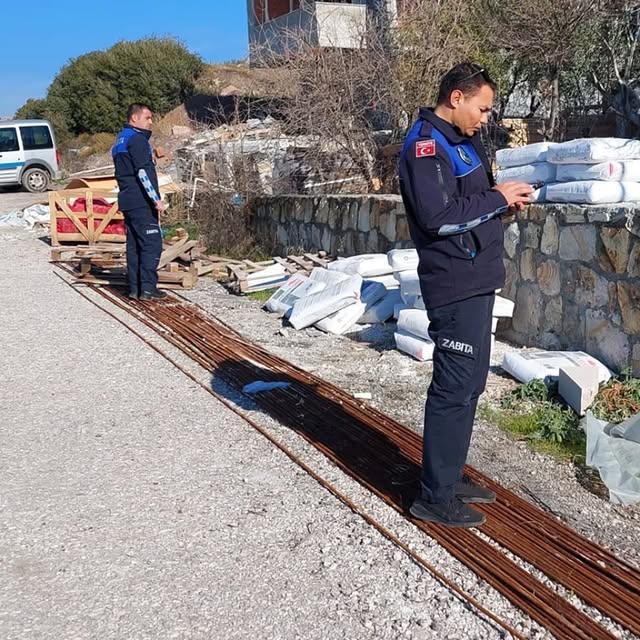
(89, 226)
(241, 273)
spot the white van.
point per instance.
(28, 154)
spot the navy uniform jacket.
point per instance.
(132, 152)
(445, 182)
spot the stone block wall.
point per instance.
(573, 271)
(341, 225)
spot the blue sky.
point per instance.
(47, 33)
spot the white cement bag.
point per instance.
(326, 277)
(415, 322)
(415, 302)
(538, 172)
(593, 150)
(403, 259)
(268, 278)
(538, 365)
(372, 264)
(494, 324)
(593, 192)
(308, 310)
(382, 310)
(503, 308)
(628, 171)
(409, 284)
(398, 308)
(521, 156)
(388, 281)
(297, 286)
(341, 321)
(418, 348)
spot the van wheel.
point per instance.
(35, 180)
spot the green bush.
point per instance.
(91, 93)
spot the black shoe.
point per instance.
(453, 514)
(469, 492)
(153, 295)
(132, 296)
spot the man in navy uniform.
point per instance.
(140, 202)
(454, 208)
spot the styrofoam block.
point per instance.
(579, 387)
(419, 348)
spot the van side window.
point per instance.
(36, 138)
(8, 140)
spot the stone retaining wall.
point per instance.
(573, 271)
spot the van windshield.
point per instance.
(36, 138)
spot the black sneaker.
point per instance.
(469, 492)
(153, 295)
(455, 514)
(132, 296)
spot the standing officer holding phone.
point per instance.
(454, 209)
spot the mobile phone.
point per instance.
(537, 185)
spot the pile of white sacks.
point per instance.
(363, 290)
(584, 171)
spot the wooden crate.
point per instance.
(89, 227)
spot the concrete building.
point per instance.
(281, 25)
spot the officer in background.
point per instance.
(140, 202)
(454, 209)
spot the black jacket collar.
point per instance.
(452, 134)
(144, 132)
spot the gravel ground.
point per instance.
(15, 200)
(134, 505)
(138, 506)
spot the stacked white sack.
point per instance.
(587, 170)
(342, 321)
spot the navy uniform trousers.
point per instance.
(144, 246)
(462, 335)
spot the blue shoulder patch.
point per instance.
(464, 158)
(122, 142)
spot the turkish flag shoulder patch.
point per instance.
(425, 148)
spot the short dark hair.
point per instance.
(467, 77)
(135, 108)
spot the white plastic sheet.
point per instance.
(538, 365)
(37, 214)
(614, 450)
